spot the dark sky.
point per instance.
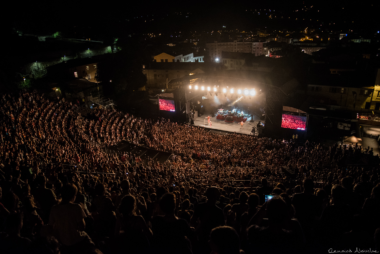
(54, 15)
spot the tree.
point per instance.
(38, 70)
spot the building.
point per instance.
(350, 94)
(163, 57)
(86, 71)
(215, 49)
(258, 48)
(84, 68)
(233, 60)
(189, 58)
(160, 74)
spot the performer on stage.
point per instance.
(241, 124)
(208, 120)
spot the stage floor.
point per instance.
(230, 127)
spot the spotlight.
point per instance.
(246, 92)
(224, 90)
(196, 87)
(253, 92)
(239, 91)
(232, 90)
(208, 89)
(189, 86)
(215, 89)
(202, 88)
(216, 59)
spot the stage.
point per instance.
(230, 127)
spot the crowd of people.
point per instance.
(63, 191)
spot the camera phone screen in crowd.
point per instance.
(268, 197)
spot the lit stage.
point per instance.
(230, 127)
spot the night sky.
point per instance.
(49, 16)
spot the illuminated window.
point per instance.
(87, 67)
(94, 66)
(75, 74)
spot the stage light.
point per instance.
(217, 60)
(224, 90)
(208, 89)
(189, 86)
(246, 92)
(215, 89)
(232, 90)
(239, 91)
(253, 92)
(202, 88)
(196, 87)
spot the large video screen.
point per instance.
(166, 105)
(293, 122)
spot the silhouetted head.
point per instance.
(225, 240)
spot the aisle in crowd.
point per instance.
(323, 197)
